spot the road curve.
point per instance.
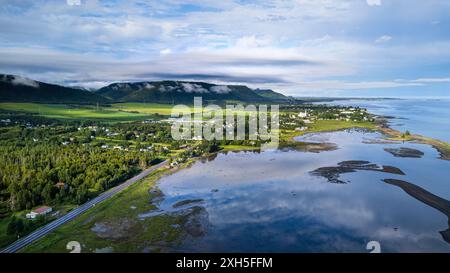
(21, 243)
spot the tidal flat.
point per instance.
(274, 202)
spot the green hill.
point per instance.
(18, 89)
(271, 95)
(182, 92)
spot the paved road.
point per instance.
(19, 244)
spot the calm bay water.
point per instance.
(269, 202)
(427, 117)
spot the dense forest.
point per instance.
(36, 172)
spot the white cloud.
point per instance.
(165, 51)
(221, 89)
(383, 39)
(343, 85)
(18, 80)
(193, 88)
(433, 80)
(284, 45)
(252, 42)
(373, 2)
(148, 86)
(73, 2)
(292, 70)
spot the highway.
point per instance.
(21, 243)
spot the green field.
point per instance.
(238, 148)
(157, 108)
(74, 112)
(335, 125)
(144, 108)
(118, 112)
(327, 126)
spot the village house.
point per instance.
(303, 114)
(303, 128)
(44, 210)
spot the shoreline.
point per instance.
(380, 125)
(441, 146)
(287, 141)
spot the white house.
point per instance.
(39, 211)
(303, 114)
(303, 128)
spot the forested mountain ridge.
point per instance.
(182, 92)
(19, 89)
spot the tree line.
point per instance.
(33, 174)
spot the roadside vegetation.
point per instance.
(123, 230)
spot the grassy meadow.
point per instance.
(144, 108)
(115, 113)
(118, 112)
(327, 126)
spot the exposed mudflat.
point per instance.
(197, 221)
(195, 218)
(379, 141)
(333, 173)
(404, 152)
(308, 147)
(186, 202)
(427, 198)
(114, 230)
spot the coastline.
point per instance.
(441, 146)
(120, 215)
(380, 125)
(287, 139)
(83, 227)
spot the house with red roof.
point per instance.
(44, 210)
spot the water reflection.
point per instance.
(426, 197)
(269, 202)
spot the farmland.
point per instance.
(82, 112)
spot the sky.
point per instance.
(373, 48)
